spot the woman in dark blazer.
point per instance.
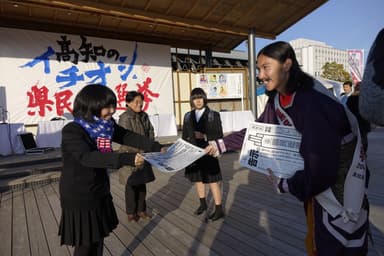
(88, 214)
(200, 126)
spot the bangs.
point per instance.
(91, 99)
(198, 96)
(110, 100)
(198, 93)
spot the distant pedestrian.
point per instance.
(348, 90)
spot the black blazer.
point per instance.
(209, 124)
(84, 179)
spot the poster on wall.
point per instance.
(42, 72)
(221, 85)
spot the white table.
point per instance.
(236, 120)
(10, 143)
(49, 133)
(226, 121)
(164, 125)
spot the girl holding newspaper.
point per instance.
(87, 211)
(333, 182)
(200, 125)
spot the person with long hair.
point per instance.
(332, 182)
(135, 178)
(87, 211)
(201, 125)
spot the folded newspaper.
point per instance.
(178, 156)
(272, 146)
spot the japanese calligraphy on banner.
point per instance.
(42, 72)
(355, 61)
(221, 85)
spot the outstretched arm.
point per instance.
(130, 138)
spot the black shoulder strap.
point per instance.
(187, 117)
(211, 116)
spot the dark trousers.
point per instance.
(95, 249)
(135, 198)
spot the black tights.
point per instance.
(95, 249)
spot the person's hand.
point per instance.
(163, 149)
(280, 185)
(139, 160)
(212, 149)
(273, 179)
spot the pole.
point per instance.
(252, 69)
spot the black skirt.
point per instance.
(80, 227)
(205, 169)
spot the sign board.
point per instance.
(42, 72)
(221, 85)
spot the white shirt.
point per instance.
(199, 113)
(344, 98)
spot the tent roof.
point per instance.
(219, 25)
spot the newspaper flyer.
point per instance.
(178, 156)
(272, 146)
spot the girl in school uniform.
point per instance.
(200, 126)
(88, 214)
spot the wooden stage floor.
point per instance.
(258, 221)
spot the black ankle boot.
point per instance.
(218, 214)
(202, 207)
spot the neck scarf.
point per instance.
(100, 131)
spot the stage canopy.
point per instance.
(218, 25)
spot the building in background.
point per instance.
(312, 55)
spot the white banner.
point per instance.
(178, 156)
(356, 64)
(42, 72)
(272, 146)
(221, 85)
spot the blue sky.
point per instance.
(343, 24)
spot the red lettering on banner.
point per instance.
(38, 98)
(144, 89)
(121, 90)
(62, 101)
